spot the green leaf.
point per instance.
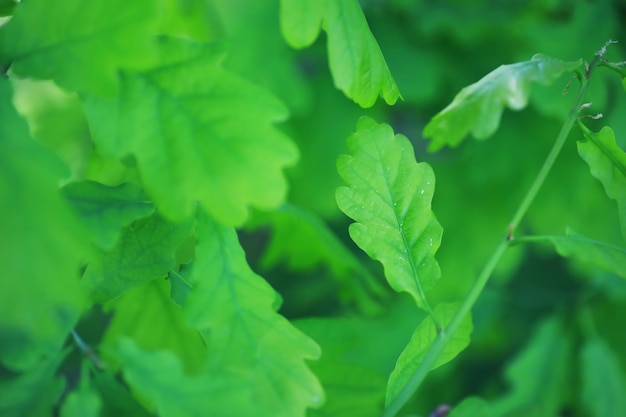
(194, 19)
(235, 308)
(157, 378)
(607, 163)
(604, 255)
(42, 247)
(116, 398)
(106, 210)
(197, 132)
(389, 197)
(471, 407)
(16, 392)
(81, 47)
(82, 401)
(477, 109)
(535, 392)
(356, 61)
(358, 355)
(148, 315)
(145, 251)
(354, 390)
(6, 7)
(603, 382)
(301, 21)
(422, 339)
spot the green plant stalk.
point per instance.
(471, 298)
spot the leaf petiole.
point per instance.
(87, 351)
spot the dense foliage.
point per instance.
(228, 208)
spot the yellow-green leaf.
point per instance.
(356, 61)
(80, 45)
(197, 132)
(389, 196)
(42, 248)
(235, 310)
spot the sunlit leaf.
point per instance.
(471, 407)
(356, 61)
(42, 247)
(145, 251)
(235, 308)
(604, 255)
(16, 392)
(546, 355)
(197, 132)
(603, 381)
(157, 378)
(607, 162)
(80, 46)
(421, 341)
(389, 196)
(301, 21)
(477, 109)
(148, 315)
(106, 210)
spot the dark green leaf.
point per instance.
(235, 308)
(389, 197)
(16, 392)
(302, 241)
(208, 132)
(356, 61)
(604, 255)
(603, 381)
(116, 399)
(80, 46)
(6, 7)
(106, 210)
(421, 341)
(145, 251)
(42, 247)
(477, 109)
(471, 407)
(538, 376)
(607, 163)
(82, 401)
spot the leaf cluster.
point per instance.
(180, 209)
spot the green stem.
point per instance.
(87, 350)
(469, 301)
(549, 162)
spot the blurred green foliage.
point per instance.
(548, 331)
